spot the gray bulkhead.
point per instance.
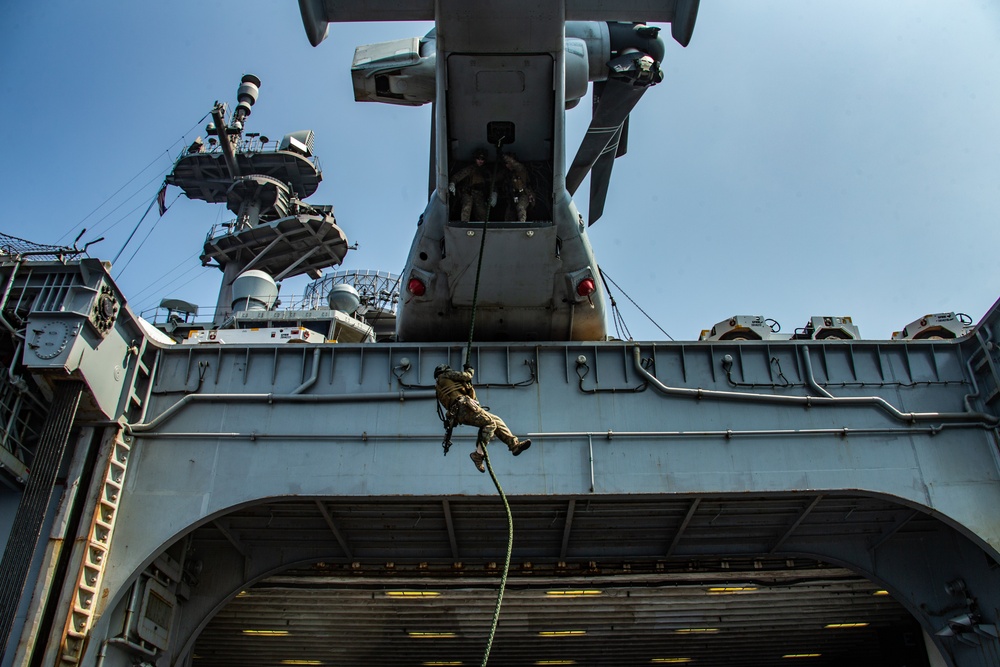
(183, 436)
(228, 427)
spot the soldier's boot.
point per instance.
(477, 458)
(520, 447)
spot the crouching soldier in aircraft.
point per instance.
(521, 196)
(458, 397)
(474, 184)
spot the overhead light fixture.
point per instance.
(729, 590)
(266, 633)
(802, 655)
(412, 594)
(670, 661)
(846, 625)
(573, 594)
(881, 592)
(693, 631)
(561, 633)
(301, 662)
(432, 635)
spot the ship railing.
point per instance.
(251, 146)
(221, 229)
(378, 290)
(233, 226)
(161, 316)
(16, 249)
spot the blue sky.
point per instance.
(821, 158)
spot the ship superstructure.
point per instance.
(276, 234)
(267, 487)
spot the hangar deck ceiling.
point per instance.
(593, 581)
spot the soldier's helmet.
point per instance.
(443, 368)
(480, 154)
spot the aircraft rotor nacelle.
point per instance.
(577, 70)
(396, 72)
(403, 72)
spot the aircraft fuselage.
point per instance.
(505, 244)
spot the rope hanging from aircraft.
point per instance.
(482, 245)
(506, 561)
(621, 329)
(468, 358)
(606, 278)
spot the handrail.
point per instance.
(809, 401)
(401, 395)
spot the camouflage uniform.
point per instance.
(475, 183)
(521, 195)
(455, 392)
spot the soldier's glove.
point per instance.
(493, 199)
(467, 368)
(451, 188)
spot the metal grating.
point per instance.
(19, 248)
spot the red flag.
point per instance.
(161, 199)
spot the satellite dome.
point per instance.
(254, 290)
(345, 298)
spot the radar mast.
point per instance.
(264, 185)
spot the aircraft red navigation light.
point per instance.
(586, 287)
(416, 287)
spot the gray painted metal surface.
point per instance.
(501, 76)
(227, 427)
(903, 432)
(209, 470)
(224, 427)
